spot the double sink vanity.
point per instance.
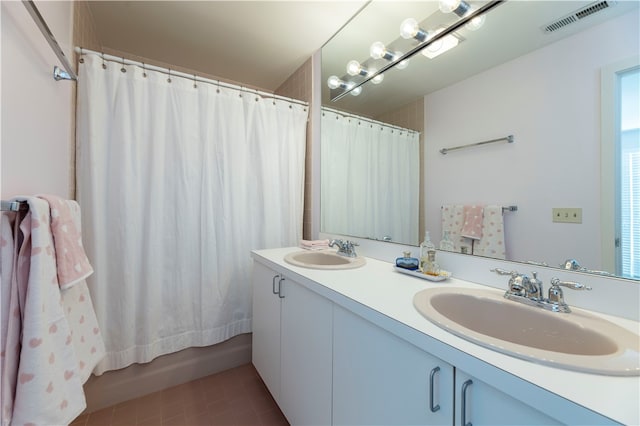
(341, 340)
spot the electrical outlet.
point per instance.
(567, 214)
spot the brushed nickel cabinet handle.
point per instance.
(465, 386)
(431, 380)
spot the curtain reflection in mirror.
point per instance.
(370, 179)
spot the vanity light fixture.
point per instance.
(409, 29)
(445, 39)
(459, 7)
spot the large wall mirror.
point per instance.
(560, 76)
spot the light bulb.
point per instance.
(353, 68)
(377, 50)
(377, 79)
(333, 82)
(459, 7)
(356, 91)
(448, 6)
(409, 28)
(476, 23)
(402, 64)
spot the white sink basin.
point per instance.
(325, 259)
(576, 341)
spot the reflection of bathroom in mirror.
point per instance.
(556, 91)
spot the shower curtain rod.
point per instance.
(58, 74)
(369, 120)
(192, 77)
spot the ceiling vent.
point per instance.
(577, 15)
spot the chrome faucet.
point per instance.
(530, 291)
(345, 247)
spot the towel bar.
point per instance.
(508, 139)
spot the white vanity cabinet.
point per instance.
(332, 359)
(292, 346)
(381, 379)
(478, 403)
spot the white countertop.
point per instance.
(385, 297)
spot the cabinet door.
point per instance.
(478, 403)
(266, 327)
(379, 378)
(306, 356)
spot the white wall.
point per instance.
(550, 101)
(37, 112)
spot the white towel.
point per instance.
(452, 217)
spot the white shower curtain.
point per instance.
(370, 179)
(177, 184)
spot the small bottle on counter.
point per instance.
(408, 262)
(431, 267)
(425, 246)
(446, 244)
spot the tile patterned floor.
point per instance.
(233, 397)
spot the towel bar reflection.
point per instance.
(508, 139)
(13, 206)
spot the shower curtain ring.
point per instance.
(144, 71)
(104, 66)
(217, 86)
(169, 78)
(123, 69)
(194, 81)
(81, 59)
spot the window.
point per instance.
(628, 173)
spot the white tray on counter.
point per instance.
(443, 274)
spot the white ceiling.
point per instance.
(258, 43)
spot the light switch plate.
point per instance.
(567, 214)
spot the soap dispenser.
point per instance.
(425, 246)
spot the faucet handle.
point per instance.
(569, 284)
(556, 295)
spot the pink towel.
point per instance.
(72, 263)
(472, 227)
